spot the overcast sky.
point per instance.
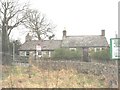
(80, 17)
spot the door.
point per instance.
(85, 54)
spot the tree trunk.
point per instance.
(5, 45)
(39, 38)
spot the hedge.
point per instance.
(67, 54)
(100, 55)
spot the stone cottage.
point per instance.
(85, 42)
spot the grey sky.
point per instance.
(80, 17)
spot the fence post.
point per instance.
(30, 63)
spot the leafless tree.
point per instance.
(10, 18)
(11, 14)
(39, 25)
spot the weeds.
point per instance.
(41, 78)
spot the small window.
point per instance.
(39, 53)
(72, 49)
(27, 53)
(22, 53)
(102, 48)
(95, 49)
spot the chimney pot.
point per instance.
(64, 33)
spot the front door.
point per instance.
(85, 54)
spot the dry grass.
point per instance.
(19, 78)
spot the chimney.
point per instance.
(28, 38)
(102, 32)
(64, 33)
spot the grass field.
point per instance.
(20, 77)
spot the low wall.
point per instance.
(109, 72)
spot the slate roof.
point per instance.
(85, 41)
(69, 41)
(45, 45)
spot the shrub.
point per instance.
(101, 55)
(67, 54)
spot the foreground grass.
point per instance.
(19, 78)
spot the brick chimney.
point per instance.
(102, 32)
(64, 34)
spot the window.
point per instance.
(72, 49)
(22, 53)
(100, 49)
(27, 53)
(39, 53)
(95, 49)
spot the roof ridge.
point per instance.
(51, 40)
(81, 35)
(44, 40)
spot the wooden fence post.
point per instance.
(30, 63)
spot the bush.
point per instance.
(67, 54)
(101, 55)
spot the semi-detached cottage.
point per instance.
(84, 42)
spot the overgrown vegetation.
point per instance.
(19, 78)
(100, 55)
(67, 54)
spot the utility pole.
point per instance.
(13, 51)
(118, 42)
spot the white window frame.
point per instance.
(72, 49)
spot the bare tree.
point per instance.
(39, 25)
(11, 14)
(10, 18)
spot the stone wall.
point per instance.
(107, 71)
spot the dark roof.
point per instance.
(69, 41)
(85, 41)
(45, 44)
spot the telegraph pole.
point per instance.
(13, 51)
